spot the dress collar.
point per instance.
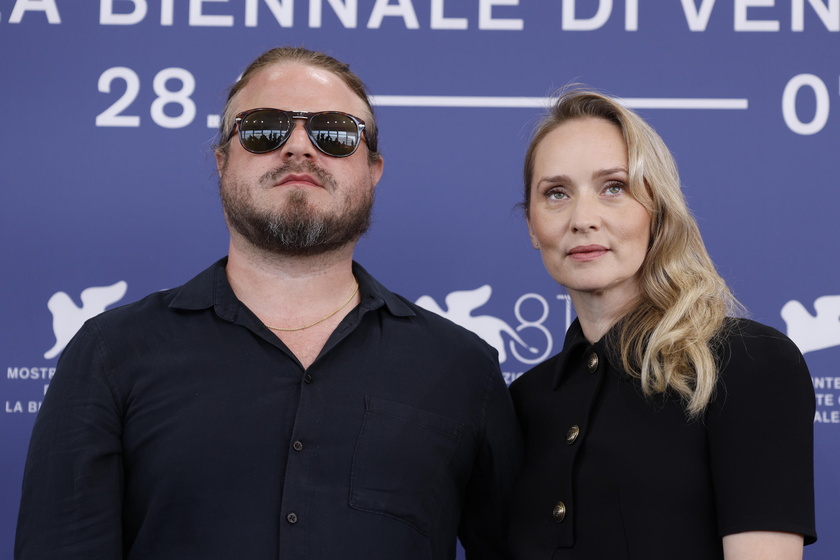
(572, 346)
(575, 347)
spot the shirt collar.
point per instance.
(376, 295)
(212, 289)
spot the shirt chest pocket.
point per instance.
(400, 462)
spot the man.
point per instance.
(282, 404)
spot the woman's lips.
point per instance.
(584, 253)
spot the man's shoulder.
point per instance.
(440, 326)
(423, 323)
(426, 332)
(149, 306)
(194, 294)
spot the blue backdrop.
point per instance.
(108, 180)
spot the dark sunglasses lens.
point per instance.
(263, 131)
(335, 134)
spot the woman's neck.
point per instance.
(598, 313)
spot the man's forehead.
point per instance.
(285, 83)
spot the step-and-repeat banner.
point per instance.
(109, 192)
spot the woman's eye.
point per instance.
(614, 188)
(556, 195)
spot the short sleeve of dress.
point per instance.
(760, 430)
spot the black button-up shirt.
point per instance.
(181, 427)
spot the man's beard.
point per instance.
(296, 229)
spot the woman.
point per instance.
(664, 429)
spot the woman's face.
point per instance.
(592, 233)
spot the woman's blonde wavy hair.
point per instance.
(669, 336)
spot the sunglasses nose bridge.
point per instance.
(298, 140)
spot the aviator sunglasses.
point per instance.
(332, 132)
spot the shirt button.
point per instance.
(307, 378)
(292, 518)
(559, 512)
(592, 362)
(298, 446)
(572, 434)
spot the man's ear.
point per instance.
(376, 170)
(221, 160)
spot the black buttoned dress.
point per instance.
(611, 474)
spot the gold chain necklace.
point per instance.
(322, 319)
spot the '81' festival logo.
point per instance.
(529, 341)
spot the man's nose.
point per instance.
(298, 143)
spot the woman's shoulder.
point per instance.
(538, 378)
(546, 374)
(739, 326)
(755, 359)
(745, 340)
